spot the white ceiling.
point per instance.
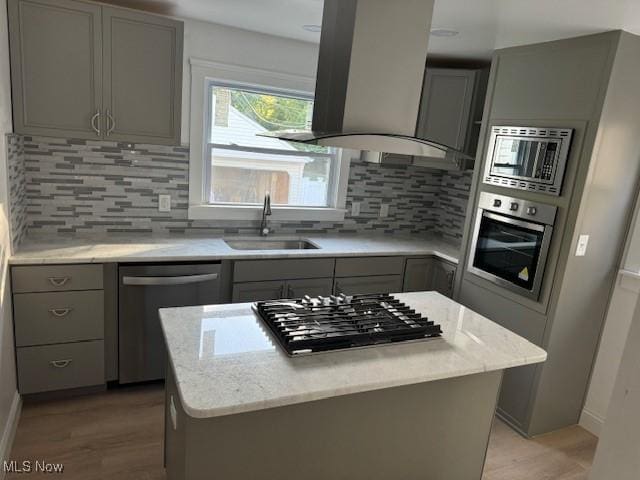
(484, 25)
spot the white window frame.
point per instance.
(203, 72)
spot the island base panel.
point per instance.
(430, 431)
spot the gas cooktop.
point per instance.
(310, 325)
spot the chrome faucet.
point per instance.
(266, 211)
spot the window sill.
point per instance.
(224, 212)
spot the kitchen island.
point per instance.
(237, 407)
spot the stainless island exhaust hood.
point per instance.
(371, 68)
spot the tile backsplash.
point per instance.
(79, 186)
(17, 188)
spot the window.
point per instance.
(238, 166)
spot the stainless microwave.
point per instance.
(528, 158)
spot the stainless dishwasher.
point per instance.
(143, 289)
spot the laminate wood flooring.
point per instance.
(118, 435)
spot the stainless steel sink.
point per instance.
(270, 244)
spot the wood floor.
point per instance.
(118, 435)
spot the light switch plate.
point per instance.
(164, 203)
(581, 249)
(355, 209)
(384, 210)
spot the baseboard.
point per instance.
(591, 422)
(6, 442)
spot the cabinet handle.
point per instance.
(60, 312)
(61, 363)
(450, 277)
(93, 123)
(113, 123)
(58, 281)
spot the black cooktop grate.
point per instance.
(308, 325)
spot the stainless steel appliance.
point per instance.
(511, 241)
(528, 158)
(143, 289)
(311, 325)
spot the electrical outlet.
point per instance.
(355, 209)
(384, 210)
(581, 249)
(164, 203)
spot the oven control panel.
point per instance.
(517, 207)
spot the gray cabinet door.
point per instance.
(143, 77)
(366, 285)
(443, 277)
(446, 106)
(254, 291)
(56, 67)
(418, 275)
(311, 286)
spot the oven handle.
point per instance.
(180, 280)
(538, 227)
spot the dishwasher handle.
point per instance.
(178, 280)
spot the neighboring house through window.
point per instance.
(233, 167)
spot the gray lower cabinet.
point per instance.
(256, 291)
(418, 274)
(82, 70)
(273, 289)
(368, 284)
(429, 273)
(58, 367)
(444, 274)
(58, 317)
(59, 325)
(310, 286)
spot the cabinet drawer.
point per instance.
(368, 285)
(362, 266)
(56, 278)
(282, 269)
(59, 367)
(58, 317)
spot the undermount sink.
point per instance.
(271, 244)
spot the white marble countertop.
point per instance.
(226, 361)
(35, 251)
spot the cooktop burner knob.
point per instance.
(532, 210)
(497, 202)
(513, 207)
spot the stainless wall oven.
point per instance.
(511, 242)
(528, 158)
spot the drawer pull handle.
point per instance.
(59, 281)
(61, 363)
(60, 312)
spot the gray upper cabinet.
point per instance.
(451, 107)
(85, 71)
(56, 59)
(143, 76)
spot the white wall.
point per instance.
(219, 43)
(618, 453)
(614, 335)
(9, 400)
